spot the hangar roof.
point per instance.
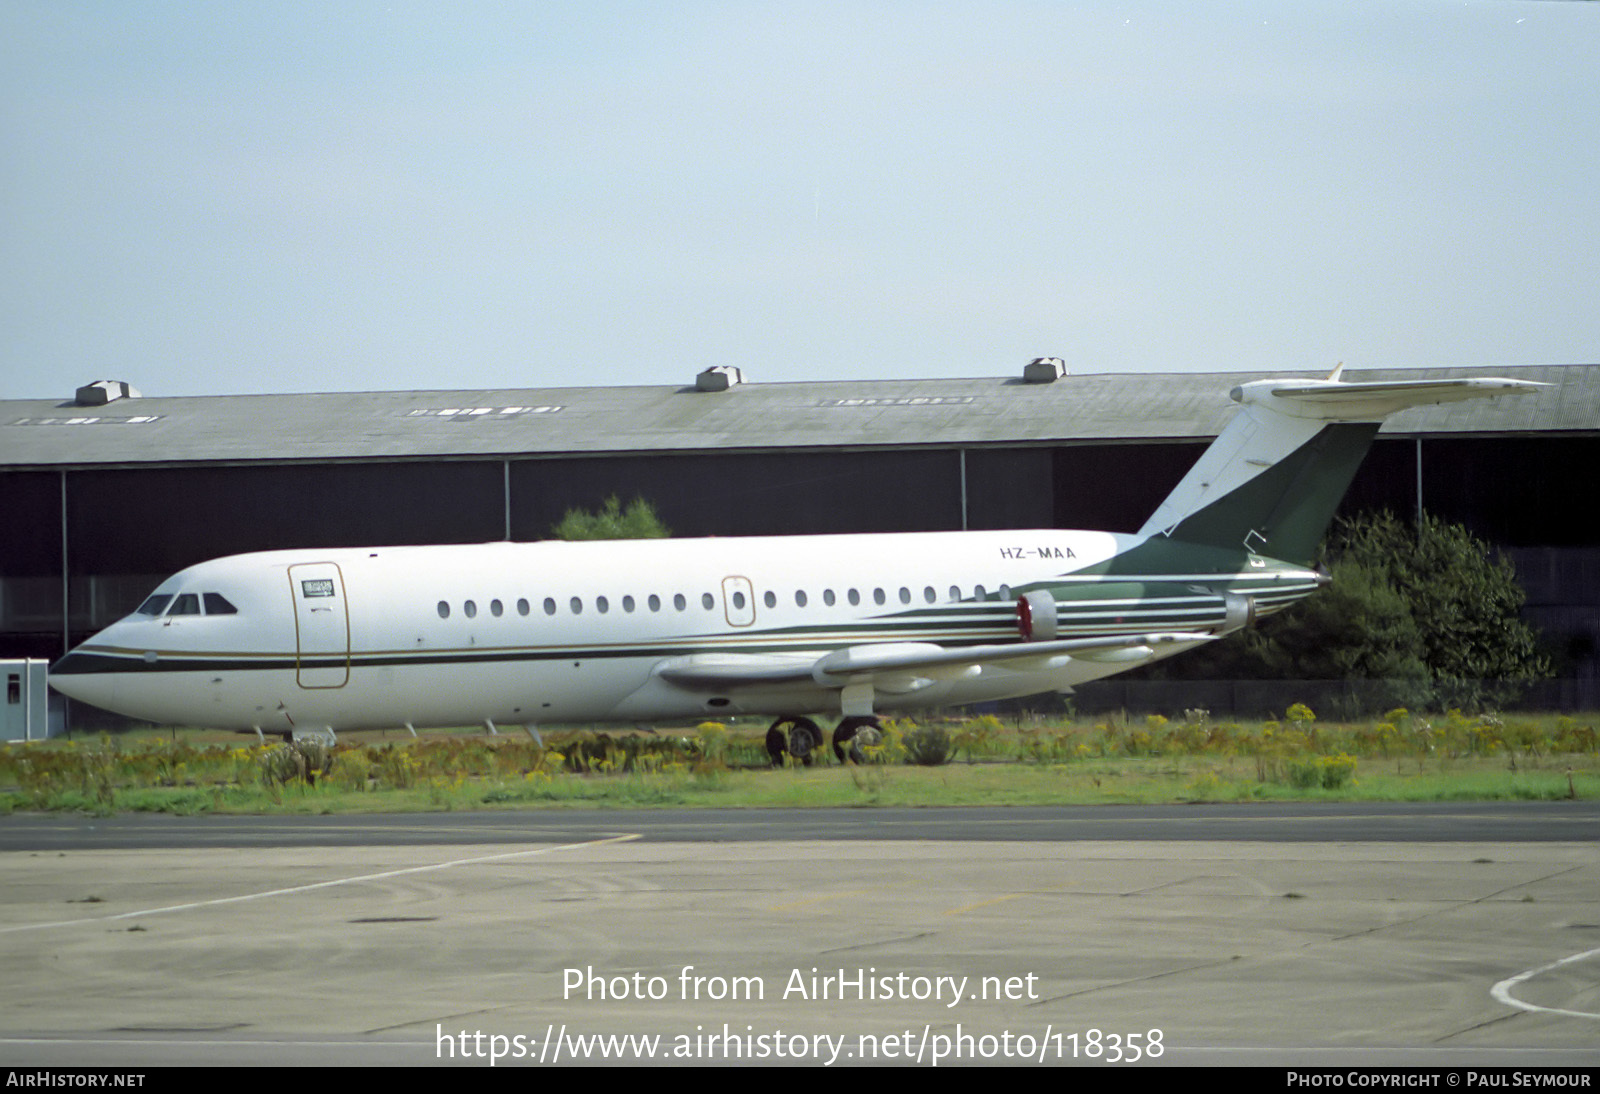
(392, 425)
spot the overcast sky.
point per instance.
(222, 198)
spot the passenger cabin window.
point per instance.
(471, 609)
(444, 609)
(827, 597)
(217, 604)
(679, 602)
(186, 604)
(654, 602)
(878, 597)
(707, 601)
(770, 599)
(549, 606)
(854, 597)
(627, 603)
(929, 595)
(522, 607)
(155, 604)
(577, 606)
(495, 609)
(800, 598)
(602, 605)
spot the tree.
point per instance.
(612, 520)
(1464, 597)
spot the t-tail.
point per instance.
(1272, 480)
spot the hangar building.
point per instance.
(106, 493)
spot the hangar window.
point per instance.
(154, 604)
(654, 602)
(549, 606)
(186, 604)
(522, 607)
(495, 608)
(707, 601)
(217, 604)
(854, 597)
(679, 602)
(800, 598)
(471, 609)
(827, 597)
(602, 605)
(770, 599)
(444, 609)
(577, 605)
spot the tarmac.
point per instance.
(833, 952)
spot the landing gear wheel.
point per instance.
(845, 733)
(802, 739)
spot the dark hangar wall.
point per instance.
(129, 528)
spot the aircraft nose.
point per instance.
(79, 675)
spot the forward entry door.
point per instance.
(321, 625)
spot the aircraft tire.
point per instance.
(845, 745)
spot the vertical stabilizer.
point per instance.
(1272, 480)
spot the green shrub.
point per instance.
(928, 746)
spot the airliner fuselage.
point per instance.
(629, 630)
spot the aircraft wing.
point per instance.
(859, 664)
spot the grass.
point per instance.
(1400, 757)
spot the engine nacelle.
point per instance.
(1036, 616)
(1047, 614)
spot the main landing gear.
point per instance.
(801, 737)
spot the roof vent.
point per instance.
(718, 378)
(1044, 370)
(102, 392)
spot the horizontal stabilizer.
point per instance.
(1337, 401)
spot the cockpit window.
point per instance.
(155, 604)
(186, 604)
(217, 604)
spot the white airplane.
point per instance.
(322, 640)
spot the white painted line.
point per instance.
(320, 885)
(1502, 990)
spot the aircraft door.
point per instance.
(321, 625)
(738, 601)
